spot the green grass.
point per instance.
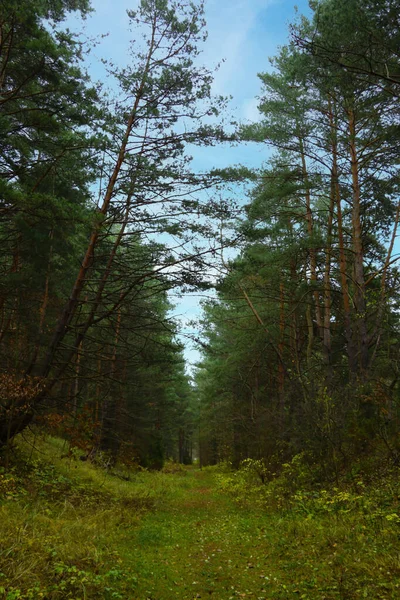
(71, 531)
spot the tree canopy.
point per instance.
(102, 217)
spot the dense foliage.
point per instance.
(294, 411)
(91, 192)
(101, 218)
(303, 344)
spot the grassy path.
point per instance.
(199, 545)
(69, 531)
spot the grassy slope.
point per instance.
(68, 530)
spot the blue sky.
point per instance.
(241, 33)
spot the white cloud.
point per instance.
(249, 110)
(229, 26)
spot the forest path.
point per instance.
(200, 545)
(68, 530)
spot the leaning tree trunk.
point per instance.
(16, 413)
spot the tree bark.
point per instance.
(281, 370)
(358, 268)
(351, 350)
(72, 303)
(310, 230)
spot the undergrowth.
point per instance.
(295, 489)
(347, 534)
(71, 530)
(64, 524)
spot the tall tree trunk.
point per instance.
(104, 279)
(328, 288)
(310, 324)
(43, 307)
(70, 308)
(377, 332)
(310, 230)
(281, 346)
(110, 438)
(358, 268)
(15, 266)
(293, 310)
(72, 303)
(75, 392)
(344, 284)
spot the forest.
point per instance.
(280, 447)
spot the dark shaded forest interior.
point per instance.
(294, 405)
